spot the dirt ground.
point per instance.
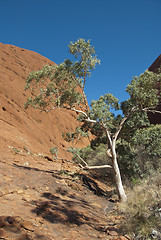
(45, 198)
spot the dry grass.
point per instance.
(141, 208)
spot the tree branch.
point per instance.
(75, 110)
(96, 167)
(68, 108)
(53, 109)
(81, 159)
(107, 134)
(119, 128)
(78, 111)
(151, 110)
(91, 167)
(90, 120)
(122, 123)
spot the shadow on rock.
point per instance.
(67, 210)
(31, 168)
(93, 186)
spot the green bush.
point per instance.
(97, 157)
(140, 156)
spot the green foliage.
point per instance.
(127, 158)
(71, 136)
(101, 110)
(40, 76)
(150, 140)
(144, 92)
(75, 152)
(53, 86)
(16, 151)
(141, 154)
(80, 132)
(135, 121)
(57, 86)
(54, 151)
(95, 156)
(86, 59)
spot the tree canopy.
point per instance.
(63, 86)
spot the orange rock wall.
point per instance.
(31, 129)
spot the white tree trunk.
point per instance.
(118, 180)
(120, 189)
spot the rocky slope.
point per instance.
(30, 129)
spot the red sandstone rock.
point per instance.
(30, 129)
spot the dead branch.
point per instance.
(96, 167)
(91, 167)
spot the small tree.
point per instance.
(63, 87)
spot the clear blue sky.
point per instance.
(126, 35)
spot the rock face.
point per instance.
(155, 65)
(155, 118)
(28, 129)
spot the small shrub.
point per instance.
(16, 151)
(54, 151)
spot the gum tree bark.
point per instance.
(118, 181)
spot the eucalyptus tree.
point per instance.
(63, 86)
